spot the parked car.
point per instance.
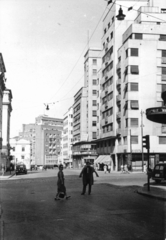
(21, 168)
(159, 172)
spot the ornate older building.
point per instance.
(2, 88)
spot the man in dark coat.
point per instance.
(87, 177)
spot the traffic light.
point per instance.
(145, 142)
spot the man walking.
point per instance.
(87, 177)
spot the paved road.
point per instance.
(111, 212)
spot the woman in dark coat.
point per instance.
(87, 177)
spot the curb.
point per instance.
(151, 195)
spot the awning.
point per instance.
(106, 159)
(99, 159)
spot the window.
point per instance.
(14, 149)
(126, 122)
(22, 157)
(108, 39)
(134, 139)
(134, 52)
(23, 149)
(163, 87)
(94, 61)
(94, 82)
(94, 135)
(138, 35)
(109, 25)
(163, 53)
(113, 19)
(134, 104)
(134, 69)
(163, 70)
(94, 103)
(94, 71)
(134, 122)
(94, 123)
(94, 113)
(133, 86)
(125, 140)
(112, 34)
(126, 53)
(162, 140)
(105, 30)
(94, 92)
(162, 37)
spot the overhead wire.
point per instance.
(81, 53)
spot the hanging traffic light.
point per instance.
(47, 108)
(146, 142)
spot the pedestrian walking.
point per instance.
(87, 177)
(126, 169)
(3, 169)
(11, 169)
(109, 168)
(105, 168)
(61, 189)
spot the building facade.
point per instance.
(6, 116)
(20, 152)
(85, 111)
(141, 80)
(48, 141)
(67, 137)
(29, 133)
(2, 88)
(131, 61)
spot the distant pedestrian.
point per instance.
(126, 169)
(105, 168)
(87, 177)
(122, 168)
(3, 169)
(11, 169)
(109, 168)
(61, 189)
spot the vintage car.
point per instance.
(159, 172)
(21, 168)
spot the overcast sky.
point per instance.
(41, 42)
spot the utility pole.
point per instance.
(130, 148)
(141, 138)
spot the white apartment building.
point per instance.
(21, 152)
(141, 80)
(117, 139)
(85, 111)
(67, 137)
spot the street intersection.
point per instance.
(114, 210)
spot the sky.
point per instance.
(43, 43)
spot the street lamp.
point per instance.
(120, 15)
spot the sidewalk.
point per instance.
(156, 191)
(7, 175)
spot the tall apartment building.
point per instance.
(67, 137)
(85, 111)
(6, 116)
(48, 141)
(133, 73)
